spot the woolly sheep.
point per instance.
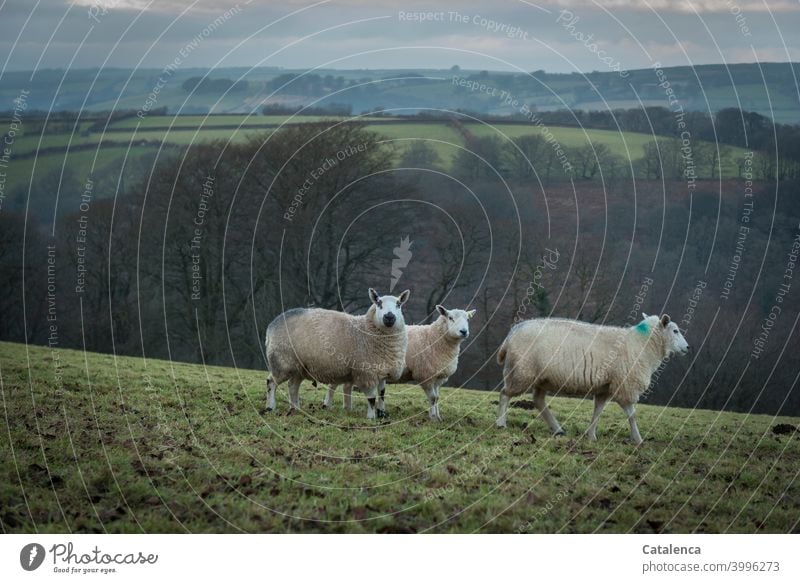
(431, 358)
(576, 358)
(332, 347)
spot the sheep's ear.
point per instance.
(404, 297)
(373, 296)
(470, 314)
(442, 310)
(644, 316)
(665, 320)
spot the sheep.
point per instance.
(577, 358)
(431, 358)
(332, 347)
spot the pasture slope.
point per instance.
(101, 146)
(93, 443)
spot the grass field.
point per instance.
(175, 99)
(217, 120)
(626, 144)
(439, 136)
(200, 129)
(91, 443)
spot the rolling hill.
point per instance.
(78, 150)
(768, 88)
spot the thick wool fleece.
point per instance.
(576, 358)
(332, 347)
(432, 353)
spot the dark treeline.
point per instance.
(209, 86)
(194, 259)
(335, 109)
(777, 145)
(731, 126)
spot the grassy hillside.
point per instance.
(621, 143)
(81, 148)
(93, 443)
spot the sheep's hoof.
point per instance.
(266, 410)
(380, 413)
(560, 433)
(324, 405)
(289, 412)
(500, 424)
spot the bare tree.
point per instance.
(460, 257)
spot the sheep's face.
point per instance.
(674, 339)
(457, 322)
(388, 309)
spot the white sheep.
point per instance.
(576, 358)
(431, 358)
(333, 347)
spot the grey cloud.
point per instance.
(665, 32)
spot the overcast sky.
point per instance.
(497, 34)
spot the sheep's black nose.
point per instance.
(389, 319)
(464, 332)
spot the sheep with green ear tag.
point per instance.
(568, 357)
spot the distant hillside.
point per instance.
(770, 89)
(64, 153)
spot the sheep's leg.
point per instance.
(328, 402)
(348, 396)
(599, 404)
(271, 387)
(294, 395)
(436, 396)
(371, 394)
(430, 392)
(540, 403)
(502, 412)
(381, 409)
(630, 411)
